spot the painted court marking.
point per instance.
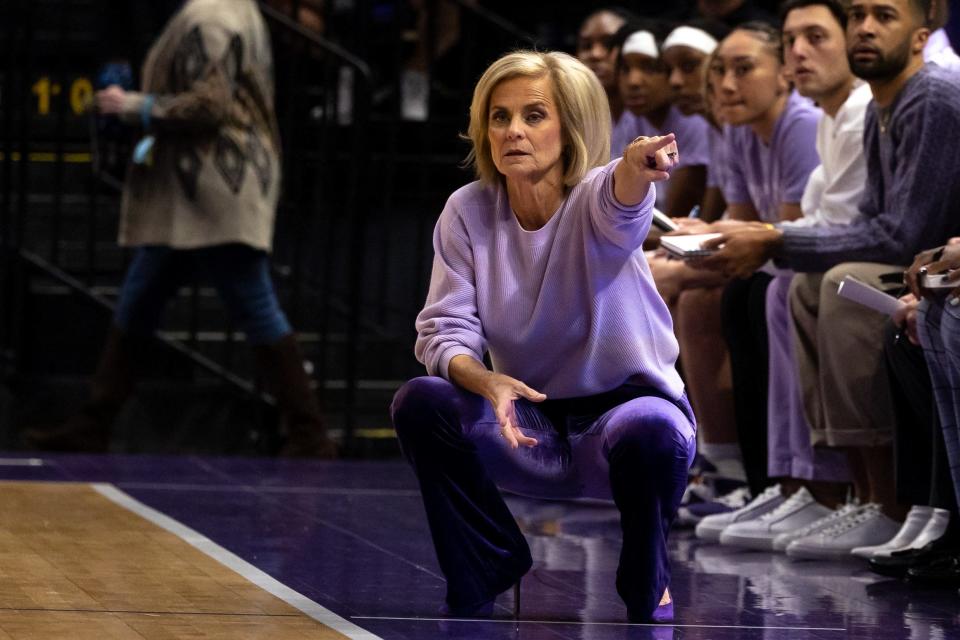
(235, 563)
(599, 624)
(21, 462)
(235, 488)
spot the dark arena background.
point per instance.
(191, 526)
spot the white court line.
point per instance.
(276, 498)
(21, 462)
(174, 486)
(235, 562)
(600, 624)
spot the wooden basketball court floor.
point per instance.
(189, 547)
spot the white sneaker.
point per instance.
(918, 517)
(711, 527)
(794, 513)
(781, 542)
(864, 527)
(691, 514)
(697, 491)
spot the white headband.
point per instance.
(692, 37)
(641, 42)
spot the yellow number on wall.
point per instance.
(81, 94)
(42, 90)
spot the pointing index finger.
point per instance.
(659, 142)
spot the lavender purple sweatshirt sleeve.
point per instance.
(449, 324)
(570, 309)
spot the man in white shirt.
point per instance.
(815, 50)
(939, 52)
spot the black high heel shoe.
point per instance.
(482, 609)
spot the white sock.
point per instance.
(726, 458)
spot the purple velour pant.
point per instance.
(632, 444)
(790, 453)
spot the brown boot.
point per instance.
(281, 366)
(111, 384)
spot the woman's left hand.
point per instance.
(502, 390)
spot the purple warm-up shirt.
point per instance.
(767, 175)
(570, 309)
(623, 132)
(718, 168)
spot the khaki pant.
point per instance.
(840, 361)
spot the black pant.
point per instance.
(917, 437)
(744, 315)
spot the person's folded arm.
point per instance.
(922, 210)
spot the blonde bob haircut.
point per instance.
(581, 101)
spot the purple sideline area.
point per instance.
(352, 536)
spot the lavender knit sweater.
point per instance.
(570, 309)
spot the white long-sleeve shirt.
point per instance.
(833, 192)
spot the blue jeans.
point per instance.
(240, 274)
(630, 444)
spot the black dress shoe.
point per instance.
(944, 572)
(886, 589)
(897, 564)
